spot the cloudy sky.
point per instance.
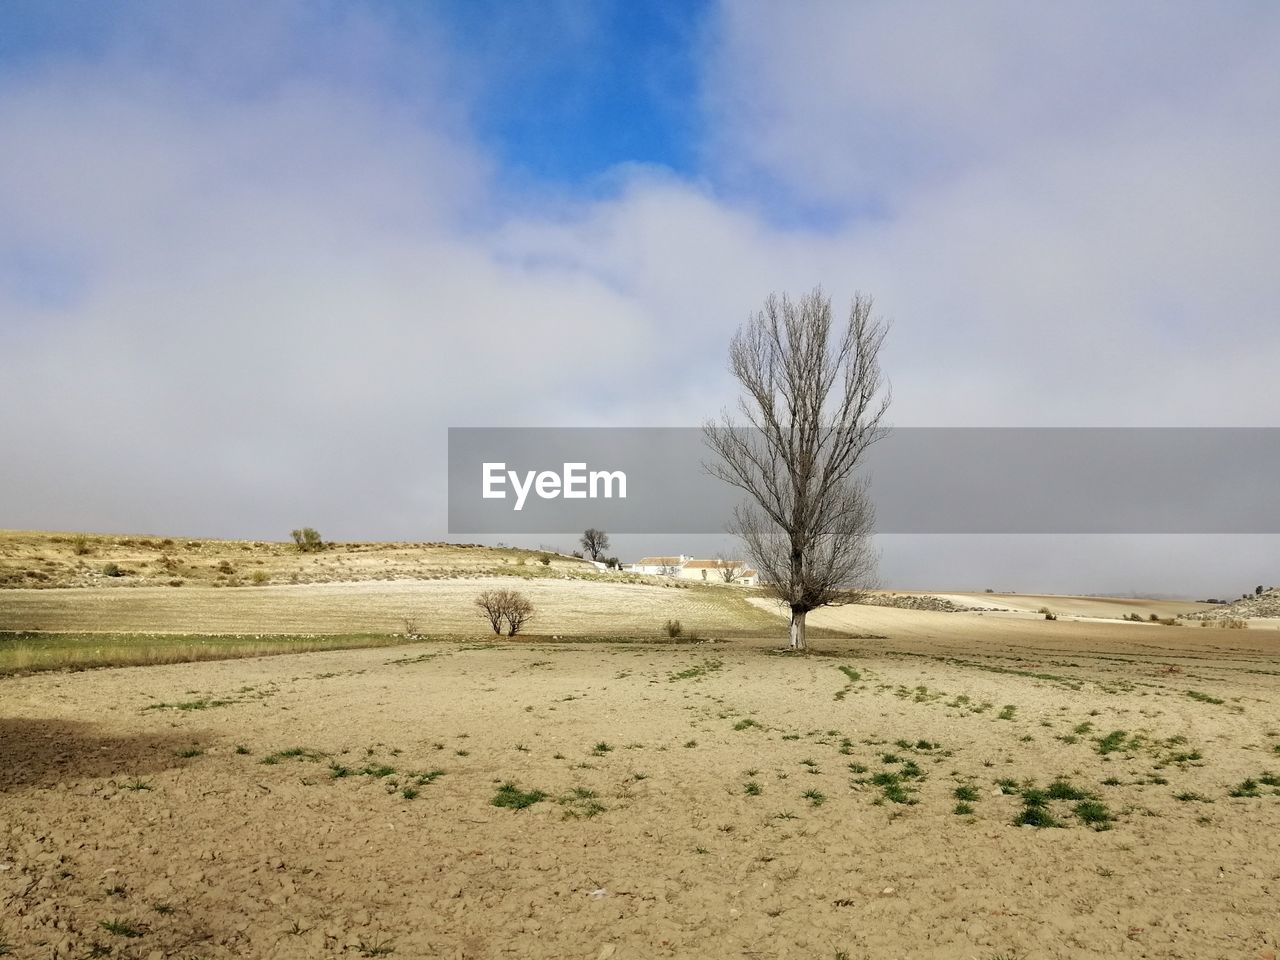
(256, 258)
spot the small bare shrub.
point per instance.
(492, 604)
(519, 612)
(674, 629)
(79, 544)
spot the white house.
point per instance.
(703, 571)
(719, 571)
(660, 566)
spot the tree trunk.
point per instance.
(797, 629)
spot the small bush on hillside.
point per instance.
(79, 544)
(112, 570)
(259, 577)
(674, 629)
(544, 559)
(307, 540)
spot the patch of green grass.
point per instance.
(121, 928)
(745, 724)
(378, 770)
(1034, 797)
(511, 796)
(815, 797)
(1204, 697)
(1188, 796)
(966, 792)
(1245, 788)
(188, 752)
(186, 705)
(602, 748)
(409, 793)
(911, 771)
(581, 803)
(1094, 813)
(28, 652)
(1113, 742)
(1007, 712)
(136, 784)
(853, 675)
(1062, 790)
(752, 789)
(242, 750)
(961, 809)
(1036, 816)
(293, 753)
(892, 788)
(698, 671)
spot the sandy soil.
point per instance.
(218, 854)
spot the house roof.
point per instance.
(714, 564)
(659, 561)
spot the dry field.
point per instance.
(445, 606)
(711, 800)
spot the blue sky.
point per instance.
(570, 90)
(268, 250)
(578, 89)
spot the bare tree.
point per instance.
(813, 401)
(595, 542)
(519, 611)
(493, 605)
(730, 570)
(505, 606)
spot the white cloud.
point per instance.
(252, 267)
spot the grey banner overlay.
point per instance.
(924, 480)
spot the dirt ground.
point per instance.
(712, 800)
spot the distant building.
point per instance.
(703, 571)
(719, 571)
(659, 566)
